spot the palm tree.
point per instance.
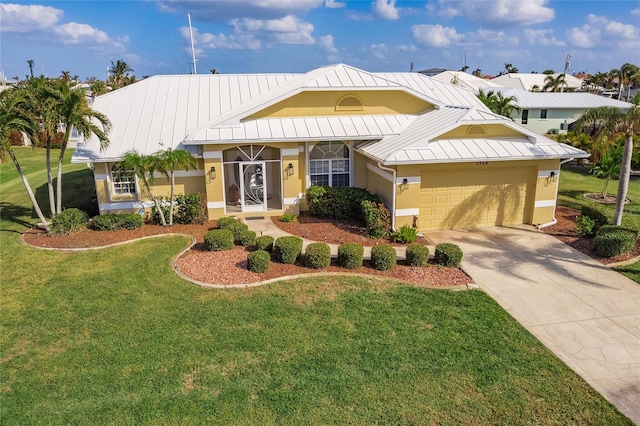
(30, 62)
(144, 166)
(72, 110)
(168, 162)
(554, 84)
(510, 69)
(477, 72)
(548, 72)
(498, 103)
(98, 87)
(119, 71)
(66, 76)
(605, 123)
(15, 118)
(628, 73)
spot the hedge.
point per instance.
(417, 254)
(258, 261)
(448, 254)
(317, 256)
(69, 221)
(377, 219)
(112, 222)
(338, 202)
(218, 240)
(287, 249)
(614, 240)
(383, 257)
(350, 255)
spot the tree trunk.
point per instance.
(623, 180)
(171, 201)
(32, 197)
(60, 161)
(52, 197)
(163, 221)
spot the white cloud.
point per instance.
(542, 38)
(386, 9)
(18, 18)
(598, 31)
(287, 30)
(379, 51)
(497, 12)
(333, 4)
(225, 10)
(435, 35)
(636, 11)
(221, 41)
(325, 43)
(75, 33)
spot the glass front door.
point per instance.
(253, 186)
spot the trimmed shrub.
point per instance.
(406, 234)
(287, 249)
(614, 240)
(69, 221)
(247, 238)
(238, 230)
(338, 202)
(317, 256)
(265, 243)
(218, 240)
(258, 261)
(191, 209)
(112, 222)
(448, 254)
(226, 222)
(350, 255)
(585, 226)
(383, 257)
(417, 255)
(377, 219)
(598, 213)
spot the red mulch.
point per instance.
(207, 267)
(565, 231)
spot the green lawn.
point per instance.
(115, 337)
(574, 182)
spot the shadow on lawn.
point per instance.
(15, 214)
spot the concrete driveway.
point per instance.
(584, 312)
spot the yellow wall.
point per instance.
(323, 103)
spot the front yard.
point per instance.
(114, 336)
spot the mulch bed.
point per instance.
(565, 231)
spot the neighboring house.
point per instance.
(430, 72)
(548, 112)
(535, 82)
(431, 150)
(468, 81)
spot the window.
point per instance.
(476, 130)
(349, 103)
(329, 164)
(525, 116)
(124, 180)
(543, 114)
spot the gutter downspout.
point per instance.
(393, 201)
(554, 221)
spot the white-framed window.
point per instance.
(123, 180)
(329, 164)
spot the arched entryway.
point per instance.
(252, 179)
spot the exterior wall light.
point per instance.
(405, 183)
(212, 173)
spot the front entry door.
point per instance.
(253, 186)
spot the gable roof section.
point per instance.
(468, 81)
(419, 142)
(526, 81)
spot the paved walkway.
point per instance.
(586, 313)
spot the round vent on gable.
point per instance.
(476, 130)
(349, 103)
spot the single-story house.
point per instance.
(548, 112)
(431, 150)
(534, 81)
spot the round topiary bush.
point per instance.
(258, 261)
(383, 257)
(317, 256)
(218, 240)
(226, 222)
(350, 255)
(238, 230)
(69, 221)
(448, 254)
(613, 240)
(247, 238)
(287, 249)
(265, 243)
(417, 254)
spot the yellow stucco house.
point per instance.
(434, 153)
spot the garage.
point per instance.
(477, 195)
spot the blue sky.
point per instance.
(249, 36)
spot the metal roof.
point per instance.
(569, 100)
(468, 81)
(528, 81)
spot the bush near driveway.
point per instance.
(417, 254)
(350, 255)
(448, 254)
(614, 240)
(383, 257)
